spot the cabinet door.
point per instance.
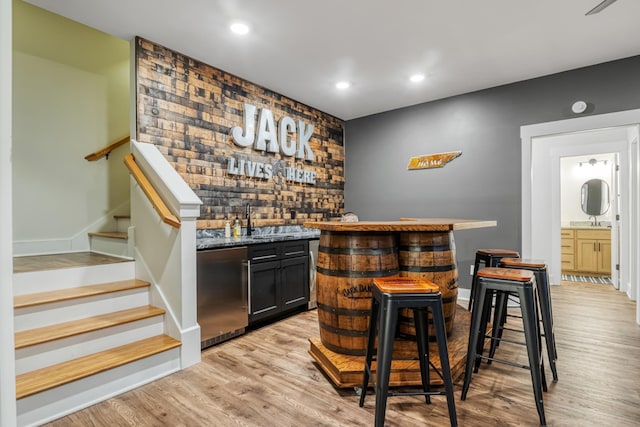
(604, 256)
(587, 255)
(264, 290)
(295, 282)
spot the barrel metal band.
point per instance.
(427, 269)
(343, 332)
(426, 248)
(356, 274)
(343, 311)
(343, 350)
(357, 251)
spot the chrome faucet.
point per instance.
(247, 214)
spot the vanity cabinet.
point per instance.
(278, 278)
(586, 251)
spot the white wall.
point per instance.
(7, 361)
(61, 114)
(572, 176)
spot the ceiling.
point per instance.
(302, 48)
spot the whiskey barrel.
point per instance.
(432, 256)
(347, 264)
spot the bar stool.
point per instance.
(539, 268)
(489, 258)
(492, 281)
(388, 295)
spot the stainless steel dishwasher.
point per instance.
(222, 294)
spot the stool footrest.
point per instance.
(416, 393)
(506, 362)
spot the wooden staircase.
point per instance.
(80, 344)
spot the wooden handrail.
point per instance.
(104, 152)
(153, 196)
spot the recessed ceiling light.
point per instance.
(417, 78)
(239, 28)
(343, 85)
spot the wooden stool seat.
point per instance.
(395, 285)
(520, 262)
(498, 252)
(506, 274)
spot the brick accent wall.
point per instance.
(187, 109)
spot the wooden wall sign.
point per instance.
(431, 161)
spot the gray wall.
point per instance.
(484, 183)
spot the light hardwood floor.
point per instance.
(266, 378)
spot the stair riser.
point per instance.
(123, 224)
(39, 356)
(64, 311)
(52, 404)
(49, 280)
(110, 246)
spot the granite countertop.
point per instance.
(214, 238)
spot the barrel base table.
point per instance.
(345, 371)
(350, 256)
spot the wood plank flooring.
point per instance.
(267, 378)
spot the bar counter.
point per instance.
(404, 224)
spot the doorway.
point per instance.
(542, 147)
(588, 209)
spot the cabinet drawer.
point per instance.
(295, 248)
(566, 246)
(594, 234)
(568, 262)
(566, 233)
(264, 253)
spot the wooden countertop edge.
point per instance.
(404, 224)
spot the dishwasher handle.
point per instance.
(249, 287)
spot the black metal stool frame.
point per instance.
(526, 291)
(384, 312)
(546, 315)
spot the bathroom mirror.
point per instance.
(595, 197)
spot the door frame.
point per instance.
(547, 176)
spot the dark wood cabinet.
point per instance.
(279, 278)
(294, 282)
(264, 290)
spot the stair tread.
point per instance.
(47, 378)
(111, 234)
(89, 324)
(29, 300)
